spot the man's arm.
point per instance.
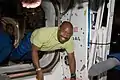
(35, 57)
(72, 63)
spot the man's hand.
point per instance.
(36, 63)
(30, 3)
(39, 75)
(72, 65)
(72, 78)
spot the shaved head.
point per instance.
(65, 31)
(66, 24)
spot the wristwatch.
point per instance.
(38, 69)
(73, 75)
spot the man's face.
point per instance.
(64, 34)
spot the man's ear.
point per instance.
(58, 27)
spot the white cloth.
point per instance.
(32, 5)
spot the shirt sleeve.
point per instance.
(37, 38)
(69, 46)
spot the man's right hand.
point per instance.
(39, 75)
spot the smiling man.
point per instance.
(50, 39)
(47, 39)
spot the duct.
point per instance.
(95, 4)
(50, 14)
(8, 20)
(64, 4)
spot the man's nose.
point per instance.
(66, 35)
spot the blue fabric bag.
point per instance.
(23, 51)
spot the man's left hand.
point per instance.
(72, 78)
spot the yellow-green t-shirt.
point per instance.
(46, 39)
